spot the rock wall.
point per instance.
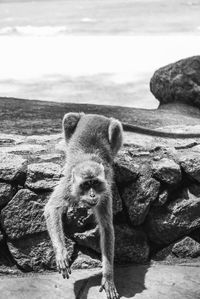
(156, 205)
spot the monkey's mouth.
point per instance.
(89, 204)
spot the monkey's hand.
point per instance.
(62, 262)
(109, 287)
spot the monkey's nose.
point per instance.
(92, 195)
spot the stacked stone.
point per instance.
(156, 204)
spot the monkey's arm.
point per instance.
(104, 217)
(142, 130)
(53, 212)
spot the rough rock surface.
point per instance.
(167, 171)
(156, 197)
(43, 176)
(131, 245)
(183, 249)
(7, 192)
(178, 82)
(24, 215)
(178, 218)
(138, 198)
(13, 168)
(190, 163)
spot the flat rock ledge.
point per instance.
(156, 205)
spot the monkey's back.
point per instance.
(90, 138)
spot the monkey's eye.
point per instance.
(85, 185)
(96, 183)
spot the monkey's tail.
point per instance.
(145, 131)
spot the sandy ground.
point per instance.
(138, 282)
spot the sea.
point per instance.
(93, 51)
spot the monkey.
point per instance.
(153, 132)
(92, 142)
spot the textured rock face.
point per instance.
(7, 192)
(175, 220)
(138, 197)
(183, 249)
(13, 168)
(178, 82)
(167, 171)
(156, 198)
(43, 176)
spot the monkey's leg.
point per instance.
(54, 210)
(104, 217)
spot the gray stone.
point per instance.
(166, 171)
(177, 219)
(86, 261)
(23, 215)
(7, 191)
(43, 176)
(125, 168)
(190, 163)
(138, 198)
(183, 249)
(131, 245)
(178, 82)
(13, 168)
(89, 239)
(35, 252)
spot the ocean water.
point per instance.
(102, 52)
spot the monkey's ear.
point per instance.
(69, 123)
(115, 135)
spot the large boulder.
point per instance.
(178, 82)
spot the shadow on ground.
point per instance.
(128, 283)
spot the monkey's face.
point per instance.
(88, 184)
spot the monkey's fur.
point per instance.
(92, 143)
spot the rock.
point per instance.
(23, 215)
(126, 169)
(178, 82)
(130, 245)
(177, 219)
(43, 176)
(138, 198)
(13, 168)
(190, 163)
(185, 248)
(35, 252)
(89, 239)
(166, 171)
(86, 261)
(7, 191)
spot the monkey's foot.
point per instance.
(62, 262)
(110, 289)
